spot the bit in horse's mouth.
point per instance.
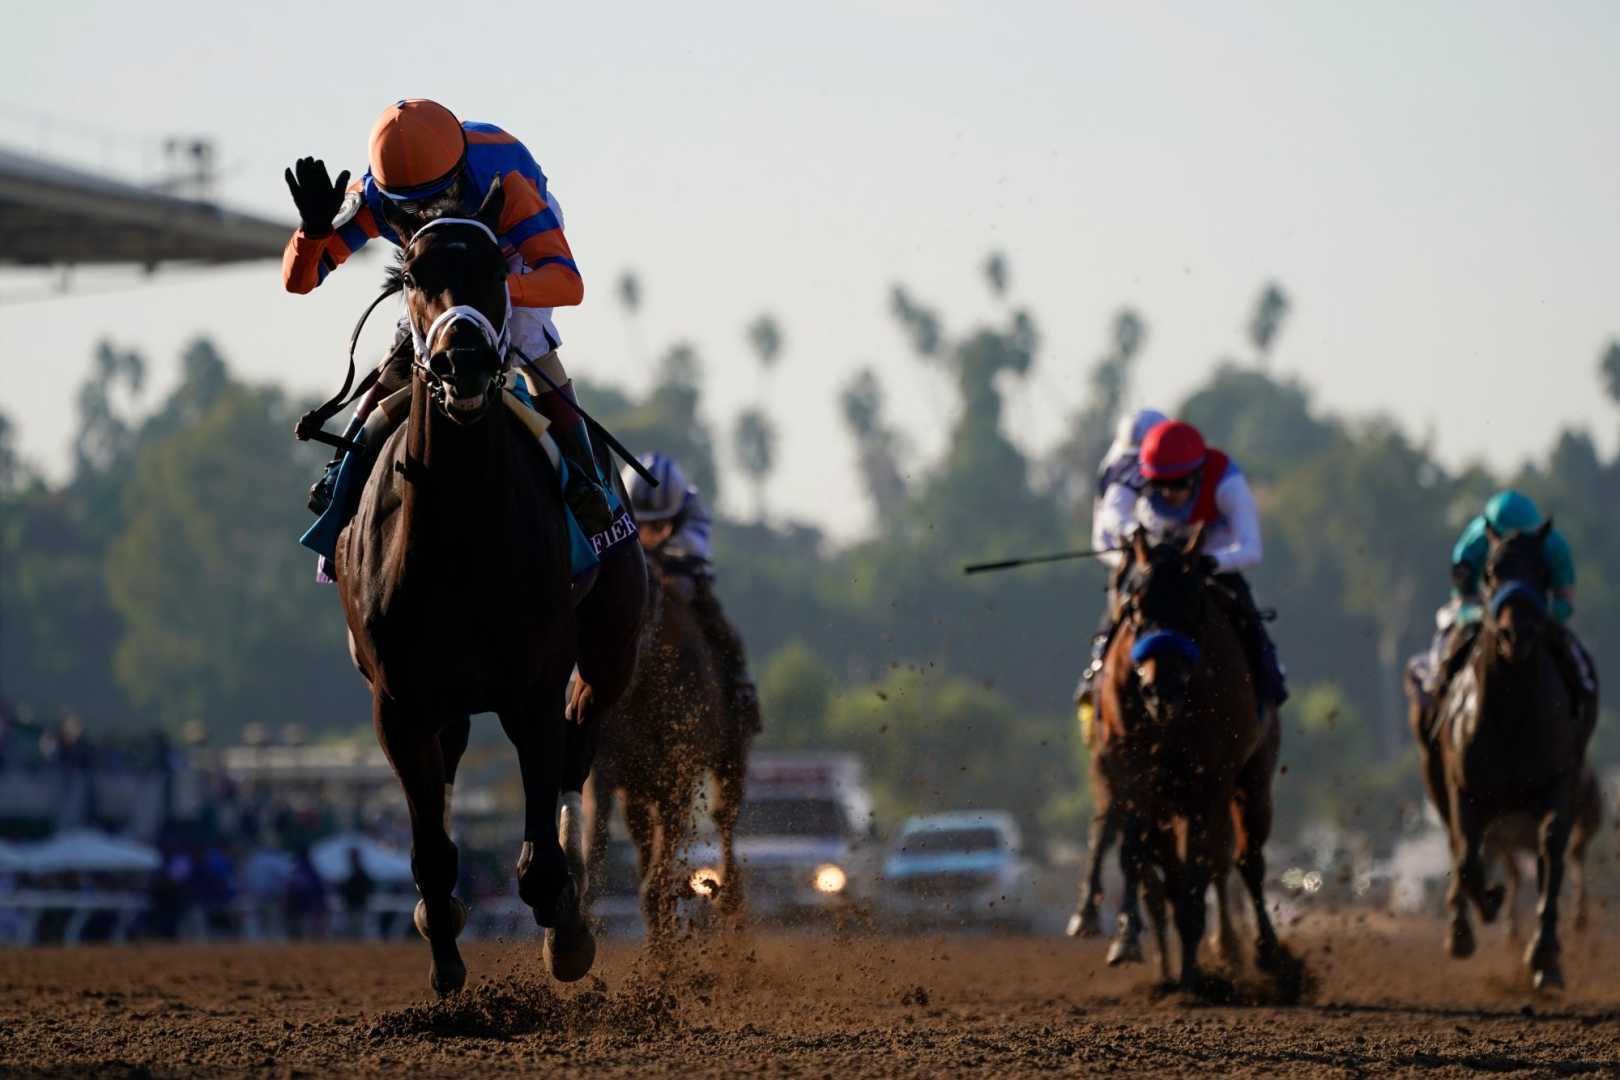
(466, 406)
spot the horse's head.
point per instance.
(1163, 602)
(454, 279)
(1516, 583)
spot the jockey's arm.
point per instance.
(533, 225)
(1468, 559)
(1113, 513)
(1561, 568)
(1236, 503)
(309, 258)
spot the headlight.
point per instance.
(705, 882)
(830, 879)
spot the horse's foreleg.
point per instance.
(598, 809)
(1542, 956)
(1126, 946)
(641, 819)
(1225, 938)
(546, 882)
(414, 750)
(1468, 875)
(1153, 896)
(1254, 829)
(1087, 918)
(453, 738)
(728, 802)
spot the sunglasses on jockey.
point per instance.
(1173, 484)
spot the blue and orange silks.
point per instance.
(529, 228)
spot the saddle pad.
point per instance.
(584, 555)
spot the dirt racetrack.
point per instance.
(1381, 998)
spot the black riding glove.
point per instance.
(1209, 564)
(316, 195)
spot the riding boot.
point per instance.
(322, 490)
(728, 646)
(1269, 676)
(1576, 668)
(394, 372)
(586, 496)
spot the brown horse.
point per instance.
(455, 581)
(1509, 740)
(671, 729)
(1185, 749)
(1517, 834)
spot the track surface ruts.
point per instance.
(1381, 998)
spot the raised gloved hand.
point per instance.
(1209, 564)
(316, 195)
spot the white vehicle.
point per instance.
(962, 867)
(804, 834)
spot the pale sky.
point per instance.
(1433, 183)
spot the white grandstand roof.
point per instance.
(57, 215)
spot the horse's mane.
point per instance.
(394, 273)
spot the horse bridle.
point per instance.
(499, 340)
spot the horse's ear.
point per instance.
(489, 212)
(1139, 547)
(1195, 540)
(1543, 532)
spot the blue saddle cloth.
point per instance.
(321, 537)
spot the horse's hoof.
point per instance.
(1124, 951)
(570, 953)
(1491, 902)
(1548, 978)
(1460, 945)
(1085, 923)
(458, 920)
(447, 973)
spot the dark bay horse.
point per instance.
(672, 729)
(1185, 751)
(1509, 740)
(455, 580)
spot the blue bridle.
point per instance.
(1512, 589)
(1164, 642)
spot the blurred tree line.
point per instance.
(161, 584)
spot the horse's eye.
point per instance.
(408, 280)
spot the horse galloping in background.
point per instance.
(455, 579)
(1186, 749)
(1510, 740)
(671, 730)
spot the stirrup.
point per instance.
(324, 490)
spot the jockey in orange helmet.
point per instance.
(425, 164)
(1185, 483)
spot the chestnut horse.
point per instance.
(1509, 739)
(455, 579)
(671, 730)
(1185, 749)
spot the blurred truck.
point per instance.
(805, 836)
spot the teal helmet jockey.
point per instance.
(1507, 512)
(1512, 511)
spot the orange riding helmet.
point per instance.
(417, 149)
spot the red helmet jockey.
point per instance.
(1172, 450)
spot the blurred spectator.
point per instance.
(305, 899)
(356, 892)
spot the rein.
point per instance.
(308, 428)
